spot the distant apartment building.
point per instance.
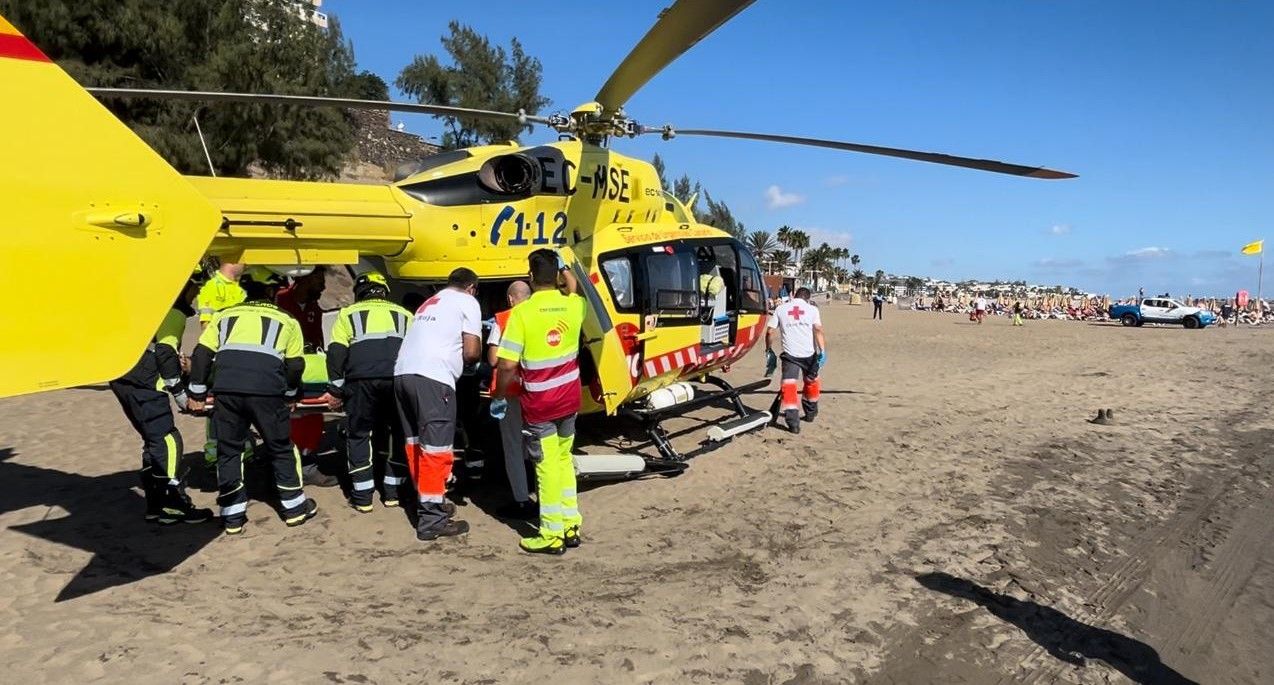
(308, 10)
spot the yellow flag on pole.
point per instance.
(1254, 247)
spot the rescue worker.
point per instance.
(804, 353)
(508, 411)
(445, 334)
(220, 291)
(141, 394)
(366, 337)
(253, 352)
(541, 347)
(301, 300)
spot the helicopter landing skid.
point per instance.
(672, 462)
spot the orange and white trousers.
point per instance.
(799, 390)
(427, 410)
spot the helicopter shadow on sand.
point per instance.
(104, 518)
(1063, 637)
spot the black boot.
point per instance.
(178, 508)
(152, 490)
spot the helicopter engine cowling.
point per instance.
(513, 174)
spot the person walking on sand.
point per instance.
(1017, 313)
(804, 354)
(979, 309)
(877, 306)
(445, 334)
(540, 347)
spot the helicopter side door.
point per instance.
(606, 350)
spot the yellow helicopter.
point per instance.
(671, 300)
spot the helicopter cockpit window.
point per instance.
(672, 283)
(619, 277)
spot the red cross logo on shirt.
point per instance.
(796, 312)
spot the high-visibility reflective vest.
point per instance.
(542, 335)
(160, 365)
(502, 324)
(255, 348)
(365, 340)
(217, 294)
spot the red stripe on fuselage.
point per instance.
(18, 47)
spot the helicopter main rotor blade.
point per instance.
(677, 30)
(934, 157)
(312, 101)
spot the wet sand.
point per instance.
(952, 516)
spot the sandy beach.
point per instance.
(951, 517)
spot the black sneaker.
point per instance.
(308, 510)
(518, 511)
(809, 418)
(794, 428)
(446, 530)
(572, 538)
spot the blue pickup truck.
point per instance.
(1162, 310)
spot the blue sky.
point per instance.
(1165, 109)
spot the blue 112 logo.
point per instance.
(527, 231)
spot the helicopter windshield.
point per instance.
(671, 282)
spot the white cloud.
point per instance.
(1149, 253)
(775, 198)
(1060, 229)
(833, 237)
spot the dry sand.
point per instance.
(952, 517)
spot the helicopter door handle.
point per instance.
(647, 335)
(119, 220)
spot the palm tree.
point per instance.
(840, 274)
(784, 236)
(761, 244)
(880, 276)
(819, 261)
(856, 277)
(854, 260)
(780, 260)
(798, 241)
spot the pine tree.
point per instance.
(480, 76)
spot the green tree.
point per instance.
(799, 241)
(780, 261)
(685, 190)
(854, 260)
(718, 215)
(235, 45)
(915, 284)
(878, 280)
(480, 76)
(661, 169)
(856, 277)
(820, 262)
(761, 244)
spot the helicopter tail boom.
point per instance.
(294, 222)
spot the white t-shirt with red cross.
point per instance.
(796, 320)
(433, 347)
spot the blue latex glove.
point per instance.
(771, 363)
(822, 358)
(499, 407)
